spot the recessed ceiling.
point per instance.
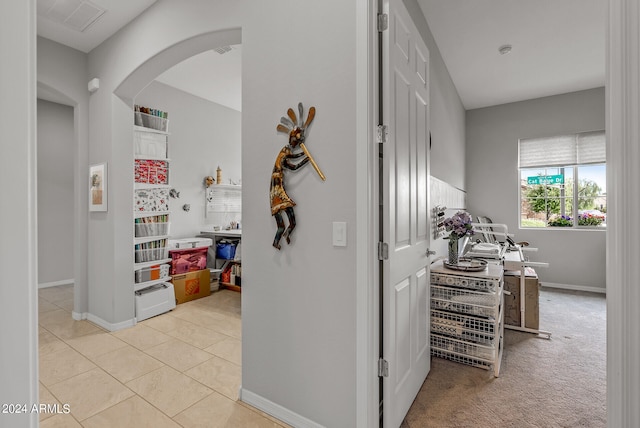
(557, 47)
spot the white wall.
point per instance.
(55, 192)
(62, 78)
(623, 247)
(447, 111)
(448, 132)
(18, 216)
(18, 321)
(576, 257)
(204, 135)
(299, 305)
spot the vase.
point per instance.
(453, 251)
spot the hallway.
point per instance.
(180, 369)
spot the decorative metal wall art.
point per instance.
(290, 159)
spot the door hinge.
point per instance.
(383, 22)
(382, 133)
(383, 251)
(383, 368)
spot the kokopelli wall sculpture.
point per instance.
(292, 159)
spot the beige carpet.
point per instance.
(543, 383)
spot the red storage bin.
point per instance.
(188, 260)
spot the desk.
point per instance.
(222, 233)
(219, 265)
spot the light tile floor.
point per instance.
(179, 369)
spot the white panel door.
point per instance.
(405, 215)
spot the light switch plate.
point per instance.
(339, 234)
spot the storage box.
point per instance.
(144, 228)
(151, 200)
(188, 260)
(154, 300)
(150, 254)
(152, 145)
(152, 273)
(512, 302)
(151, 171)
(182, 243)
(151, 121)
(191, 285)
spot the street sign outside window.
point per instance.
(546, 179)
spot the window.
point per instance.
(563, 181)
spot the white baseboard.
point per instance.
(56, 283)
(110, 326)
(276, 410)
(79, 316)
(574, 287)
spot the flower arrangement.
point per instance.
(584, 219)
(459, 225)
(589, 219)
(562, 221)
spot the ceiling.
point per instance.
(56, 19)
(557, 46)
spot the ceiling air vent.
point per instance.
(223, 49)
(77, 15)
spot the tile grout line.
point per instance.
(227, 317)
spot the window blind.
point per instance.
(563, 150)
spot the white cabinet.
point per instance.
(467, 313)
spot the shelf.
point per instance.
(145, 129)
(142, 285)
(139, 186)
(138, 266)
(230, 232)
(140, 214)
(226, 186)
(147, 157)
(151, 225)
(467, 310)
(231, 287)
(143, 239)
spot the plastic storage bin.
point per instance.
(151, 121)
(150, 145)
(152, 273)
(151, 200)
(184, 243)
(151, 251)
(151, 229)
(151, 171)
(188, 260)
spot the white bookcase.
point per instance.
(151, 206)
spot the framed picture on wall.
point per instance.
(98, 187)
